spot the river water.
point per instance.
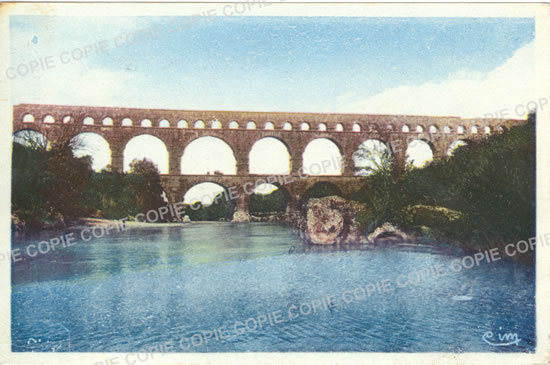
(256, 287)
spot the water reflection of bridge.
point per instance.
(176, 129)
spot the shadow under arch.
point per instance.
(209, 201)
(277, 202)
(319, 189)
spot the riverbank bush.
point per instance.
(51, 184)
(220, 210)
(489, 185)
(264, 204)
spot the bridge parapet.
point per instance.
(302, 122)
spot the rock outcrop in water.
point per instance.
(388, 233)
(331, 220)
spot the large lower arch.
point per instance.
(419, 153)
(93, 145)
(208, 201)
(31, 138)
(319, 190)
(149, 147)
(268, 199)
(269, 156)
(208, 155)
(322, 156)
(370, 156)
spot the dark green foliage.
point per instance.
(384, 197)
(220, 210)
(321, 190)
(274, 202)
(115, 195)
(144, 183)
(46, 183)
(490, 183)
(49, 184)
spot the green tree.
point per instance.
(482, 196)
(219, 210)
(47, 182)
(144, 183)
(274, 202)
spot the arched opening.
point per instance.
(127, 122)
(390, 127)
(322, 157)
(208, 156)
(95, 146)
(419, 153)
(251, 125)
(267, 200)
(199, 124)
(322, 127)
(287, 126)
(233, 124)
(304, 126)
(28, 118)
(405, 129)
(356, 127)
(454, 146)
(146, 123)
(433, 129)
(164, 123)
(216, 124)
(107, 121)
(208, 202)
(320, 190)
(487, 130)
(419, 129)
(474, 129)
(182, 124)
(67, 119)
(149, 147)
(460, 129)
(48, 119)
(370, 156)
(88, 121)
(31, 139)
(269, 125)
(269, 156)
(339, 127)
(447, 129)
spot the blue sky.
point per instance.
(316, 64)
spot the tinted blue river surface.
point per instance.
(256, 287)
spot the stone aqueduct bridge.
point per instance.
(176, 128)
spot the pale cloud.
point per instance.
(74, 85)
(465, 93)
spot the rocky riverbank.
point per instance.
(332, 220)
